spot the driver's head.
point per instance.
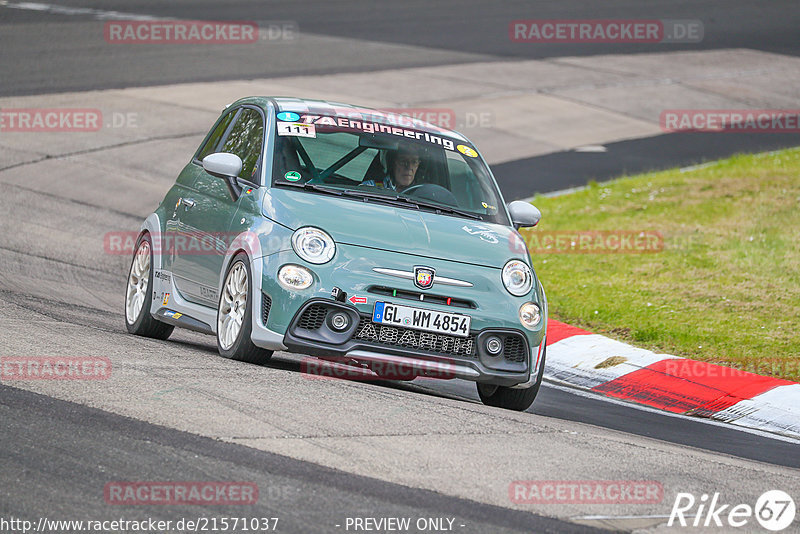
(403, 164)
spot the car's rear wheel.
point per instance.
(509, 398)
(235, 315)
(138, 320)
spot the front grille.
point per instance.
(266, 304)
(414, 339)
(313, 317)
(514, 349)
(421, 297)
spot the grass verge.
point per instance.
(722, 284)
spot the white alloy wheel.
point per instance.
(138, 280)
(232, 306)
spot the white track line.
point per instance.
(555, 193)
(65, 10)
(597, 517)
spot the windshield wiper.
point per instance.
(412, 202)
(314, 187)
(445, 209)
(364, 194)
(392, 199)
(389, 199)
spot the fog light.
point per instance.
(494, 346)
(340, 321)
(295, 277)
(530, 315)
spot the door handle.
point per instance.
(188, 202)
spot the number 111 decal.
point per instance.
(297, 129)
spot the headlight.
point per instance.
(517, 278)
(530, 315)
(313, 245)
(295, 277)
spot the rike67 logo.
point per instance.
(774, 510)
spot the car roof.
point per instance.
(339, 109)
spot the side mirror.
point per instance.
(523, 214)
(225, 166)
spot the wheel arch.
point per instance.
(246, 242)
(152, 226)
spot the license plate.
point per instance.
(453, 324)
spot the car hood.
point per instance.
(385, 227)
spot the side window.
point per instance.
(245, 140)
(212, 143)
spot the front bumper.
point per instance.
(283, 319)
(373, 345)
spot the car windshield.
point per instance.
(380, 162)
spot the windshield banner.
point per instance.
(375, 127)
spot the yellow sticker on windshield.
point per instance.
(467, 151)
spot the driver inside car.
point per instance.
(402, 165)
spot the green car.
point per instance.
(347, 234)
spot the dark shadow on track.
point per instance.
(561, 170)
(94, 447)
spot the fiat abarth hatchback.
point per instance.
(347, 234)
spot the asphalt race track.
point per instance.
(320, 451)
(52, 442)
(447, 32)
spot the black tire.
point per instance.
(512, 399)
(242, 349)
(145, 324)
